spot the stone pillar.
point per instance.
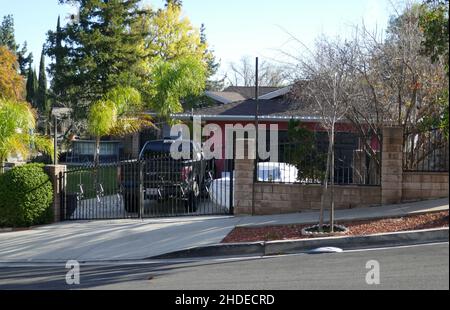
(55, 173)
(244, 177)
(392, 165)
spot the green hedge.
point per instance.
(26, 194)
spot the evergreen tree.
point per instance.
(55, 48)
(31, 86)
(7, 39)
(59, 51)
(103, 51)
(41, 96)
(435, 26)
(7, 33)
(23, 59)
(212, 63)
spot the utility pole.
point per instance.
(55, 139)
(255, 179)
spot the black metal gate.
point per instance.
(154, 186)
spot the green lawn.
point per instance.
(107, 176)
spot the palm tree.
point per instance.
(17, 124)
(119, 113)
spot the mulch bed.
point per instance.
(357, 228)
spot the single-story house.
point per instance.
(278, 110)
(237, 106)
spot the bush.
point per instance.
(26, 195)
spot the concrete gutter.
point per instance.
(408, 238)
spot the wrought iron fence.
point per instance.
(426, 151)
(153, 186)
(356, 163)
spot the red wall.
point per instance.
(282, 126)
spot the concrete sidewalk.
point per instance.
(136, 239)
(351, 214)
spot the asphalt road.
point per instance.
(420, 267)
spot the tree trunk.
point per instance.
(332, 138)
(97, 152)
(325, 188)
(96, 162)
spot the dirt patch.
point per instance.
(356, 228)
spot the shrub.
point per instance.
(26, 194)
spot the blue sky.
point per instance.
(235, 28)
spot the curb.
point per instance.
(304, 246)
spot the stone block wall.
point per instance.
(54, 172)
(397, 186)
(293, 198)
(392, 165)
(424, 185)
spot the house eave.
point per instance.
(264, 118)
(244, 118)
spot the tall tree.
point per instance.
(7, 38)
(212, 82)
(177, 62)
(24, 58)
(57, 92)
(434, 22)
(31, 86)
(330, 91)
(59, 51)
(11, 83)
(41, 95)
(212, 63)
(101, 51)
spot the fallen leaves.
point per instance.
(357, 228)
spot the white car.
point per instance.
(267, 172)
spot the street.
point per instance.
(418, 267)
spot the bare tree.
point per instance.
(373, 80)
(330, 90)
(400, 85)
(243, 73)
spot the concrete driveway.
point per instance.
(140, 239)
(112, 240)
